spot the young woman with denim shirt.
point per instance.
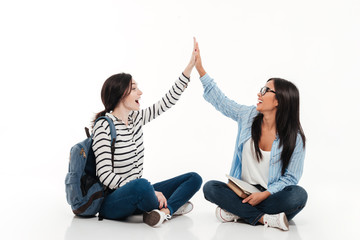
(128, 192)
(269, 153)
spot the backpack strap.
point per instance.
(87, 132)
(113, 135)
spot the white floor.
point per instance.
(54, 220)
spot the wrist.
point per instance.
(187, 71)
(266, 194)
(201, 71)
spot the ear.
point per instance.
(276, 102)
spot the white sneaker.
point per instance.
(225, 216)
(155, 218)
(277, 221)
(184, 209)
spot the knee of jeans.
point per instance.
(142, 186)
(299, 195)
(302, 195)
(208, 189)
(196, 179)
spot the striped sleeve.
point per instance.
(102, 150)
(166, 102)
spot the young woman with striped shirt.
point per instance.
(269, 153)
(129, 193)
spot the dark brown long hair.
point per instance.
(114, 89)
(287, 121)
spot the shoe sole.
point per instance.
(151, 218)
(220, 218)
(185, 212)
(218, 215)
(286, 227)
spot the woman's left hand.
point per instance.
(256, 198)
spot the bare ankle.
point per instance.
(261, 220)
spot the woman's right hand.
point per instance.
(162, 200)
(198, 62)
(190, 66)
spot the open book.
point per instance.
(241, 188)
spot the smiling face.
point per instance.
(131, 101)
(268, 101)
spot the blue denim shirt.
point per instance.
(244, 116)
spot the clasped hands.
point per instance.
(256, 198)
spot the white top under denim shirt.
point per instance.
(244, 116)
(254, 171)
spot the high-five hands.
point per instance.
(195, 60)
(191, 64)
(198, 62)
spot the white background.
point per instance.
(55, 56)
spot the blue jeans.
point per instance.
(291, 200)
(139, 196)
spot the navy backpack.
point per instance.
(84, 192)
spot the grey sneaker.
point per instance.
(155, 218)
(225, 216)
(276, 221)
(184, 209)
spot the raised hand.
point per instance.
(191, 64)
(194, 54)
(198, 62)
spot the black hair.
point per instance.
(287, 121)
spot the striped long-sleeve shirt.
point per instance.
(129, 146)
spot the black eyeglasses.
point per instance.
(265, 89)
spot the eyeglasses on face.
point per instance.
(265, 89)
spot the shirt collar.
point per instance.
(114, 118)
